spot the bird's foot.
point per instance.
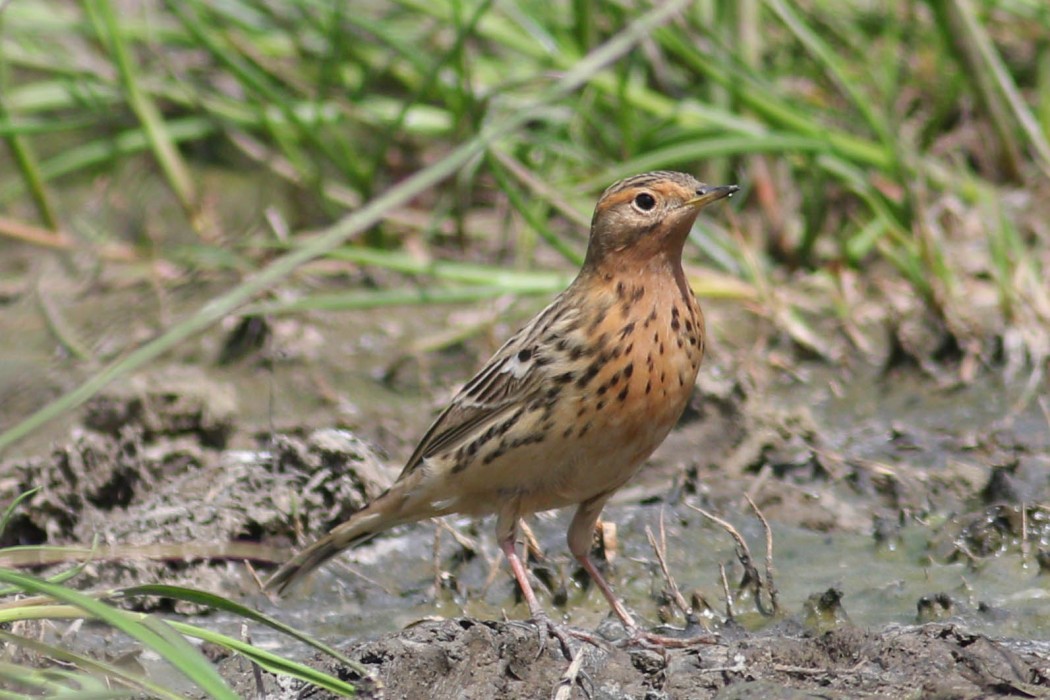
(563, 634)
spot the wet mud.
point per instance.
(160, 482)
(468, 658)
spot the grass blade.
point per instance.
(179, 653)
(219, 603)
(96, 667)
(161, 143)
(269, 661)
(355, 223)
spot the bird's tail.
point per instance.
(383, 513)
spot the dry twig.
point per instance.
(751, 580)
(660, 550)
(570, 679)
(774, 594)
(725, 589)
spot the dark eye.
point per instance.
(645, 201)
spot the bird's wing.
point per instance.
(506, 382)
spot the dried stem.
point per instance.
(660, 549)
(751, 580)
(725, 589)
(774, 594)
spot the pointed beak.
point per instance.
(705, 195)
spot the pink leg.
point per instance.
(507, 530)
(607, 591)
(581, 533)
(510, 550)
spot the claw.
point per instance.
(546, 627)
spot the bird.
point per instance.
(572, 405)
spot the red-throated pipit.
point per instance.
(571, 406)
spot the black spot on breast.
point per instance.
(590, 373)
(622, 396)
(565, 378)
(627, 330)
(525, 355)
(628, 370)
(621, 290)
(637, 293)
(648, 386)
(597, 318)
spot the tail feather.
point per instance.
(361, 526)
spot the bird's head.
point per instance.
(648, 215)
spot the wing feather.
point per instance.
(506, 381)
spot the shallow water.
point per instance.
(882, 581)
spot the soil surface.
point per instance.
(468, 658)
(164, 480)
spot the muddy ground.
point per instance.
(469, 658)
(166, 480)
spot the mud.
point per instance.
(148, 488)
(467, 658)
(161, 483)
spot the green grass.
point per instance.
(83, 675)
(877, 138)
(166, 638)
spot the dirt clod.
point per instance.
(465, 658)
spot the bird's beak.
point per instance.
(710, 194)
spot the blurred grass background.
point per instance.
(897, 153)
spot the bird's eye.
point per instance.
(645, 201)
